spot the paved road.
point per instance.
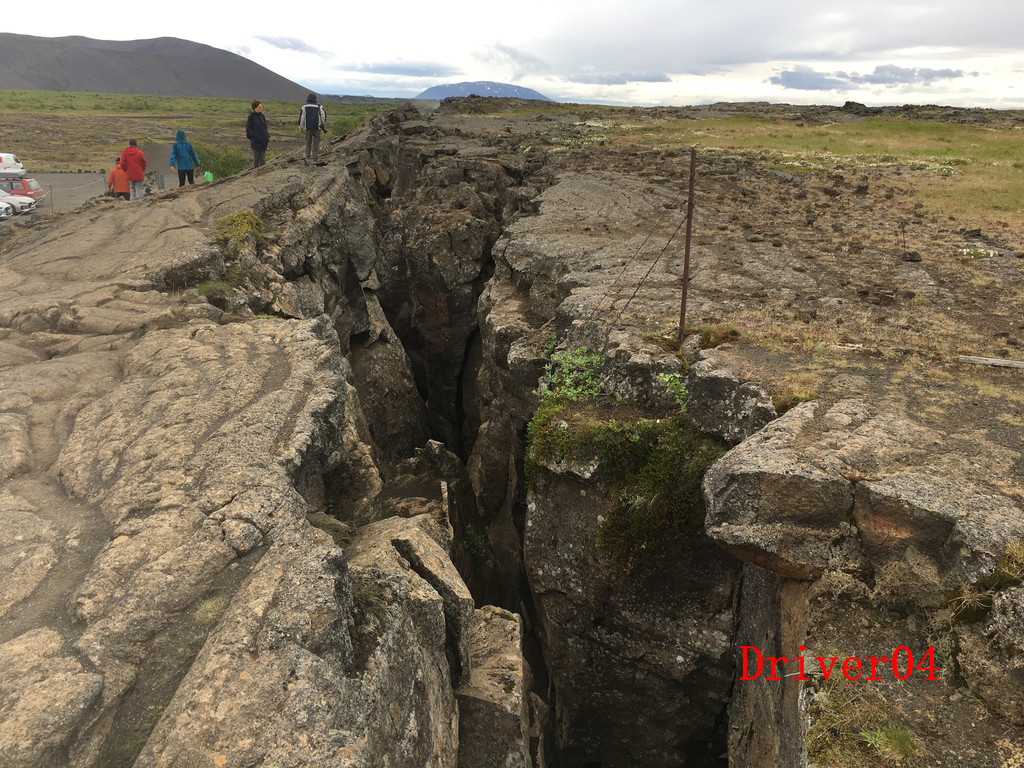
(66, 191)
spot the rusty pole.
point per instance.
(686, 252)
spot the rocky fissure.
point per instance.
(265, 497)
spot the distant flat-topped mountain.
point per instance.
(482, 88)
(164, 66)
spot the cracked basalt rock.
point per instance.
(992, 656)
(846, 489)
(721, 404)
(614, 644)
(37, 675)
(164, 456)
(494, 711)
(869, 511)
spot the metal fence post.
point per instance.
(686, 252)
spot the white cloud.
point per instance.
(618, 51)
(288, 44)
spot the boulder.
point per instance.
(777, 509)
(795, 499)
(929, 535)
(720, 403)
(494, 717)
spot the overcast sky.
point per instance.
(955, 52)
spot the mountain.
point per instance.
(164, 66)
(482, 88)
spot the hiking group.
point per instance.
(312, 120)
(127, 178)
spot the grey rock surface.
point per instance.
(991, 658)
(162, 461)
(847, 488)
(494, 711)
(614, 644)
(192, 486)
(36, 677)
(722, 404)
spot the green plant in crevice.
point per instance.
(1010, 567)
(234, 277)
(893, 742)
(550, 342)
(676, 386)
(236, 226)
(790, 398)
(475, 544)
(852, 725)
(560, 432)
(971, 603)
(209, 611)
(660, 498)
(653, 467)
(575, 375)
(713, 335)
(214, 287)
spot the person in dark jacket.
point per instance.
(313, 120)
(134, 163)
(257, 133)
(184, 156)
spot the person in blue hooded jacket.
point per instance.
(184, 157)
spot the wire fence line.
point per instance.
(687, 221)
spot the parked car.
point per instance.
(27, 187)
(10, 165)
(6, 212)
(19, 203)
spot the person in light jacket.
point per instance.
(313, 120)
(185, 158)
(258, 134)
(134, 163)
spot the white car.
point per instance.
(6, 212)
(19, 203)
(10, 165)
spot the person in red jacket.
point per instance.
(134, 164)
(117, 182)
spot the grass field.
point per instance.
(53, 131)
(57, 102)
(967, 169)
(965, 165)
(963, 169)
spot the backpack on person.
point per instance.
(312, 112)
